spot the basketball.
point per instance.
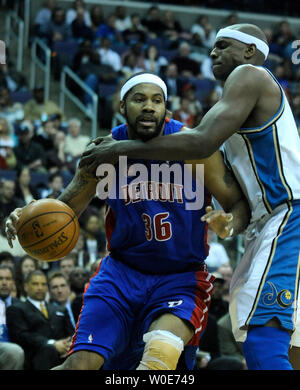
(47, 229)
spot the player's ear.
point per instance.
(250, 51)
(122, 107)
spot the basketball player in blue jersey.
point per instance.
(254, 125)
(149, 299)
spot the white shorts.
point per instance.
(266, 281)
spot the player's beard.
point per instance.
(144, 135)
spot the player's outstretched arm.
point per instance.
(241, 92)
(222, 184)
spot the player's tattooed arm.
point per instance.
(80, 191)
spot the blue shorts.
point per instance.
(120, 303)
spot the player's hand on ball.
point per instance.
(219, 222)
(11, 223)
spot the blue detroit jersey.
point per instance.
(155, 233)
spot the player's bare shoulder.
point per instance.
(248, 76)
(262, 86)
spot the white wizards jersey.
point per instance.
(266, 161)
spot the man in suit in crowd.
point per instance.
(60, 292)
(43, 330)
(11, 354)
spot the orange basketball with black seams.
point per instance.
(47, 229)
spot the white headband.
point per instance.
(245, 38)
(143, 78)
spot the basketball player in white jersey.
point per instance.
(255, 127)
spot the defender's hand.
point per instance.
(101, 150)
(219, 222)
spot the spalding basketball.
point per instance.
(47, 229)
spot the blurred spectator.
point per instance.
(12, 112)
(79, 27)
(67, 264)
(117, 117)
(231, 19)
(296, 108)
(11, 354)
(211, 99)
(42, 329)
(8, 199)
(122, 20)
(95, 240)
(154, 62)
(45, 135)
(43, 16)
(135, 32)
(186, 66)
(7, 258)
(172, 27)
(55, 186)
(82, 55)
(109, 56)
(39, 109)
(205, 31)
(12, 79)
(56, 29)
(281, 76)
(226, 271)
(78, 278)
(60, 292)
(170, 77)
(80, 251)
(56, 158)
(58, 122)
(282, 37)
(108, 30)
(93, 72)
(218, 307)
(130, 66)
(96, 18)
(75, 142)
(95, 266)
(24, 190)
(193, 104)
(228, 345)
(217, 253)
(24, 266)
(28, 152)
(153, 22)
(72, 13)
(184, 114)
(7, 143)
(209, 344)
(138, 50)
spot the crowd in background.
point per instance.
(40, 147)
